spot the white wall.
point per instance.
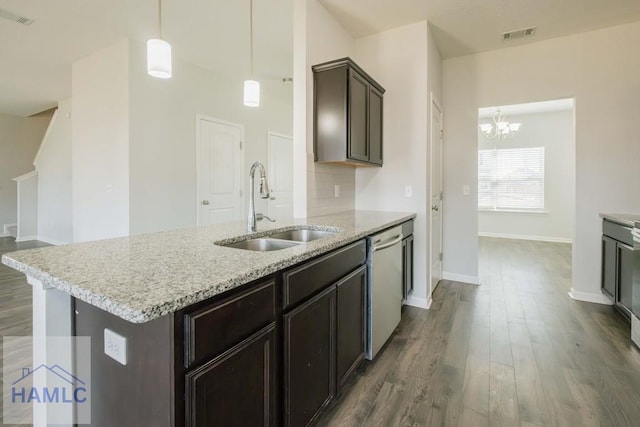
(100, 144)
(163, 135)
(53, 163)
(326, 40)
(20, 138)
(599, 69)
(555, 132)
(397, 59)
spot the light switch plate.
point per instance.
(336, 190)
(408, 191)
(466, 190)
(115, 346)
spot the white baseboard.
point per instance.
(26, 239)
(590, 297)
(525, 237)
(51, 241)
(418, 302)
(473, 280)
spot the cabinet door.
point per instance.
(358, 93)
(407, 266)
(625, 275)
(351, 292)
(309, 358)
(609, 266)
(330, 114)
(375, 126)
(237, 388)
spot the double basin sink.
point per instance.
(279, 239)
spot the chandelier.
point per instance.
(500, 128)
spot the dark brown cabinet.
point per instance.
(609, 266)
(407, 266)
(309, 373)
(269, 353)
(324, 330)
(617, 265)
(407, 259)
(348, 112)
(351, 315)
(236, 388)
(231, 373)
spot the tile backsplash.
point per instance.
(321, 181)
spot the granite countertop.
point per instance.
(140, 278)
(627, 220)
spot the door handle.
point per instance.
(435, 208)
(205, 202)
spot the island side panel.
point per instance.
(140, 392)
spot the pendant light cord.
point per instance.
(160, 18)
(251, 33)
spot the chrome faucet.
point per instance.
(264, 194)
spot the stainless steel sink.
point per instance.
(302, 235)
(262, 245)
(279, 239)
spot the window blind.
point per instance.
(511, 179)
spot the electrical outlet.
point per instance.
(336, 190)
(466, 190)
(408, 191)
(115, 346)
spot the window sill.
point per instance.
(520, 211)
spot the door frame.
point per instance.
(435, 102)
(279, 135)
(199, 118)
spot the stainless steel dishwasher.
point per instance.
(384, 293)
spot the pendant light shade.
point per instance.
(251, 87)
(251, 93)
(159, 52)
(159, 58)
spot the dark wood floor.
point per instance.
(15, 293)
(15, 301)
(516, 351)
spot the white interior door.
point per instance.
(280, 176)
(435, 139)
(220, 173)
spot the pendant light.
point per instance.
(251, 87)
(159, 52)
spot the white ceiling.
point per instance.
(461, 27)
(35, 69)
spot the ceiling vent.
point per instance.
(15, 18)
(519, 34)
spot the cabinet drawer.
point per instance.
(302, 282)
(618, 232)
(215, 328)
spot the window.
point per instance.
(511, 179)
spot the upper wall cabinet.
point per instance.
(347, 121)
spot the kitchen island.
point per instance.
(194, 312)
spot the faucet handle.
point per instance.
(260, 217)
